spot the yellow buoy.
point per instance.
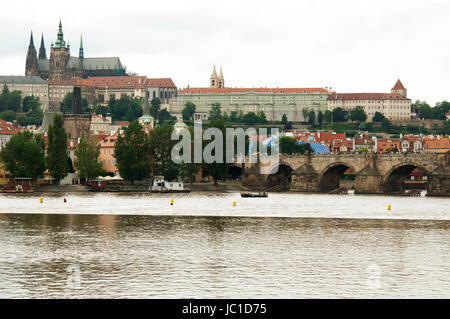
(389, 207)
(171, 202)
(41, 200)
(234, 204)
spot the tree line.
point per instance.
(27, 155)
(12, 104)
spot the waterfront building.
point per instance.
(361, 143)
(274, 102)
(411, 144)
(62, 66)
(388, 145)
(106, 156)
(28, 86)
(436, 144)
(394, 106)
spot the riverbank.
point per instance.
(196, 187)
(61, 188)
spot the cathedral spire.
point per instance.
(214, 73)
(81, 52)
(31, 45)
(42, 53)
(60, 43)
(31, 67)
(221, 74)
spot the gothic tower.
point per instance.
(31, 66)
(221, 80)
(81, 52)
(59, 56)
(214, 80)
(42, 53)
(399, 88)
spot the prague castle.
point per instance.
(62, 66)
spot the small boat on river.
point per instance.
(260, 194)
(18, 185)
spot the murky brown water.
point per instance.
(140, 246)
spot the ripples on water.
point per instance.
(385, 254)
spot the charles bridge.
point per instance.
(374, 173)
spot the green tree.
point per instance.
(338, 115)
(250, 118)
(261, 117)
(378, 117)
(288, 145)
(8, 115)
(86, 162)
(155, 106)
(23, 155)
(327, 116)
(188, 170)
(216, 170)
(215, 112)
(160, 151)
(132, 153)
(164, 116)
(305, 112)
(126, 108)
(358, 114)
(234, 116)
(284, 119)
(30, 103)
(387, 125)
(101, 109)
(188, 111)
(311, 117)
(320, 118)
(10, 100)
(57, 149)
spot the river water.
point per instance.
(289, 245)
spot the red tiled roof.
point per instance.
(398, 85)
(366, 96)
(435, 143)
(261, 90)
(7, 129)
(160, 82)
(119, 82)
(122, 123)
(77, 82)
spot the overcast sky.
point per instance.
(351, 46)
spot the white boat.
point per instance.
(160, 185)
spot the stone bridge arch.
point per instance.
(329, 178)
(393, 181)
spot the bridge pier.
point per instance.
(368, 181)
(439, 182)
(305, 179)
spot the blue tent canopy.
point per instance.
(317, 147)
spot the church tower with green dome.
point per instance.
(59, 56)
(146, 120)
